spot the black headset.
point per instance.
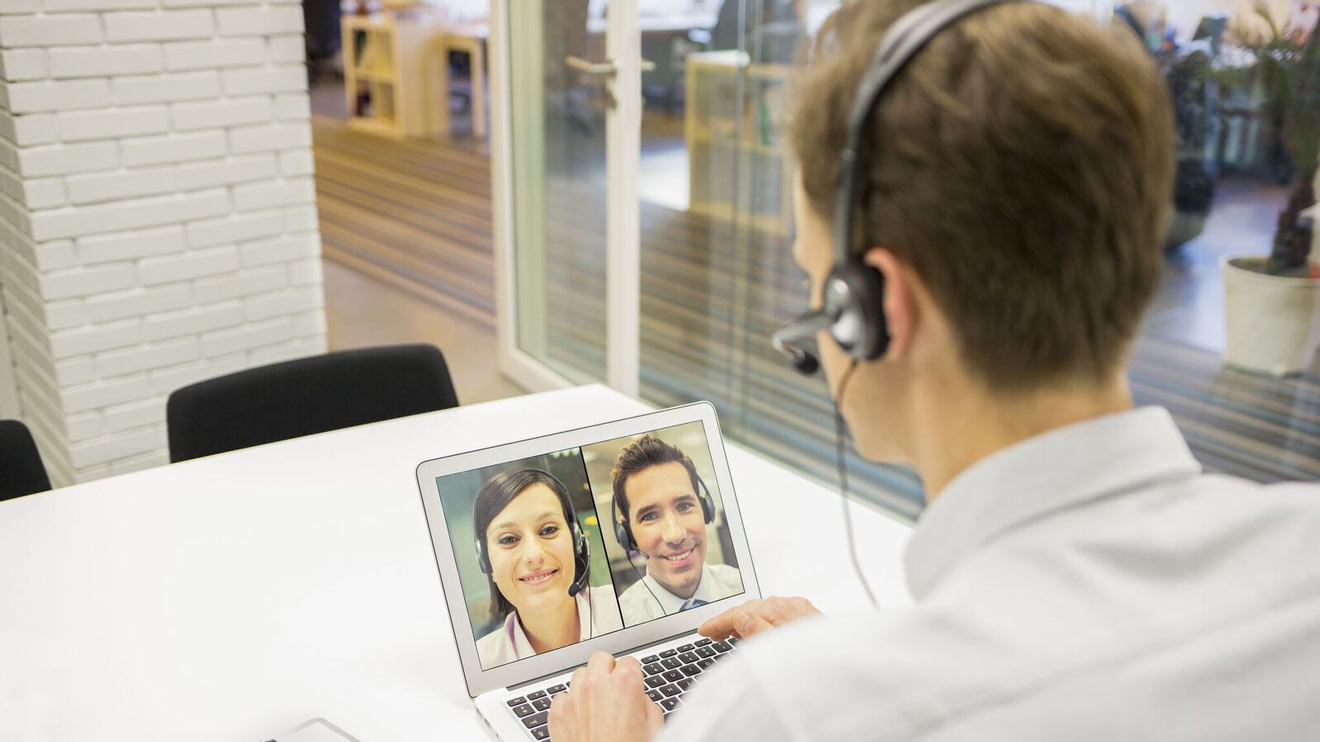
(581, 546)
(623, 528)
(853, 310)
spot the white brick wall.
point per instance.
(157, 213)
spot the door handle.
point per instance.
(603, 69)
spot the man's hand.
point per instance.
(756, 616)
(605, 702)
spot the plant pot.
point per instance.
(1271, 320)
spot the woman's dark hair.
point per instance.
(495, 495)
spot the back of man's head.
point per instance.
(1021, 164)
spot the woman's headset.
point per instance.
(581, 546)
(853, 306)
(623, 528)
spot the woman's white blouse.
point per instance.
(598, 614)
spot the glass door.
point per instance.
(567, 103)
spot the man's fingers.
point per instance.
(749, 624)
(600, 663)
(721, 625)
(629, 663)
(655, 718)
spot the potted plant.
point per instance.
(1270, 302)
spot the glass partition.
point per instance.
(558, 162)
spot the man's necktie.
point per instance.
(693, 603)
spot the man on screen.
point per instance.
(661, 509)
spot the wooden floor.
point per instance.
(410, 212)
(417, 214)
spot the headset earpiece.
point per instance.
(581, 557)
(854, 301)
(707, 502)
(622, 531)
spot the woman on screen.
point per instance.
(538, 560)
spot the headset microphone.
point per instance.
(581, 563)
(788, 340)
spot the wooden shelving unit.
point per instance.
(738, 169)
(390, 79)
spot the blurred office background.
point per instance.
(475, 167)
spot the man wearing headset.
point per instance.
(981, 204)
(661, 509)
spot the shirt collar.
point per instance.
(670, 602)
(522, 646)
(1104, 456)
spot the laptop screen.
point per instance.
(574, 544)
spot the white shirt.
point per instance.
(598, 614)
(643, 602)
(1087, 584)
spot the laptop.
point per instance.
(542, 565)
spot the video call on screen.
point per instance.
(549, 554)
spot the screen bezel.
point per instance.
(481, 681)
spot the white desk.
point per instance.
(231, 597)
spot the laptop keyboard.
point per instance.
(668, 675)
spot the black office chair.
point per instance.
(306, 396)
(21, 471)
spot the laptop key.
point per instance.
(541, 732)
(671, 690)
(673, 675)
(671, 663)
(669, 653)
(686, 648)
(655, 668)
(706, 652)
(721, 646)
(690, 670)
(705, 664)
(536, 694)
(684, 683)
(536, 720)
(687, 657)
(732, 640)
(556, 689)
(650, 658)
(523, 709)
(654, 694)
(703, 641)
(655, 681)
(541, 704)
(670, 704)
(516, 701)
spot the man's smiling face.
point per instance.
(667, 523)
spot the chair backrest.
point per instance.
(21, 471)
(306, 396)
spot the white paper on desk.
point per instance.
(316, 730)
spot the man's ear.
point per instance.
(900, 305)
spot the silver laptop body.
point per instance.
(593, 569)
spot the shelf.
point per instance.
(374, 125)
(389, 64)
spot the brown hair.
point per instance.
(1021, 164)
(644, 453)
